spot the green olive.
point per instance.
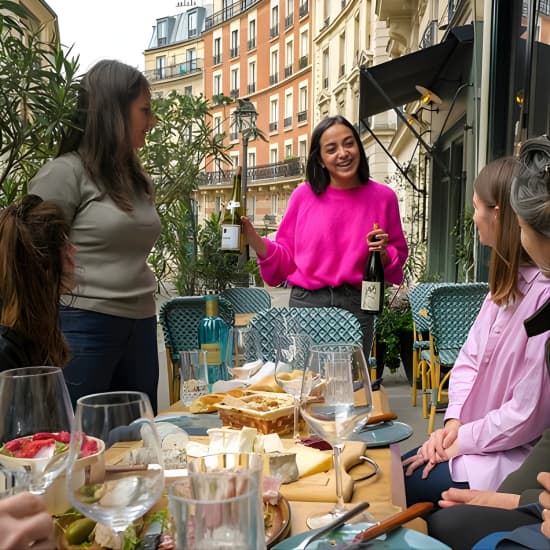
(79, 531)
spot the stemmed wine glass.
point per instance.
(291, 354)
(335, 401)
(115, 497)
(243, 353)
(35, 420)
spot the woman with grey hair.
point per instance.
(519, 512)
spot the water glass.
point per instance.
(213, 511)
(243, 356)
(194, 375)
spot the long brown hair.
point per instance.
(101, 131)
(493, 185)
(33, 234)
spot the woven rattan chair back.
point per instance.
(323, 324)
(179, 319)
(247, 299)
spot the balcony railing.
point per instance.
(301, 116)
(293, 167)
(234, 52)
(234, 93)
(289, 21)
(302, 63)
(273, 126)
(274, 31)
(252, 88)
(288, 71)
(216, 59)
(233, 136)
(251, 43)
(175, 71)
(228, 12)
(303, 9)
(273, 79)
(287, 121)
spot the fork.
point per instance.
(340, 520)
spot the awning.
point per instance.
(398, 77)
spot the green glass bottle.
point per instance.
(232, 238)
(372, 288)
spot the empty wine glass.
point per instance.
(115, 497)
(291, 353)
(194, 375)
(243, 353)
(335, 401)
(35, 420)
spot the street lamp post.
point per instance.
(245, 120)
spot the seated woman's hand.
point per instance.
(454, 497)
(24, 523)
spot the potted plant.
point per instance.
(394, 333)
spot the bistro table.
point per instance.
(385, 492)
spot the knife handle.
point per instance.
(384, 417)
(395, 521)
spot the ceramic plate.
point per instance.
(381, 435)
(280, 522)
(193, 424)
(401, 539)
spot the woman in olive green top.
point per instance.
(110, 320)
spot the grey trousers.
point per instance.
(346, 297)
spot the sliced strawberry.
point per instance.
(14, 444)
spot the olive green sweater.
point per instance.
(112, 245)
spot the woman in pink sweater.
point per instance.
(327, 231)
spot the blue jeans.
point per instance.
(110, 353)
(429, 489)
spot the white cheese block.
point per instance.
(268, 443)
(311, 461)
(282, 466)
(230, 440)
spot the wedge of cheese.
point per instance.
(311, 461)
(229, 440)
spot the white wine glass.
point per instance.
(243, 357)
(36, 416)
(115, 497)
(291, 355)
(335, 401)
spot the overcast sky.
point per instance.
(117, 29)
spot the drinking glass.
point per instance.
(213, 511)
(194, 375)
(335, 401)
(243, 353)
(33, 400)
(291, 353)
(115, 497)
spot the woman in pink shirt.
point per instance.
(499, 390)
(327, 231)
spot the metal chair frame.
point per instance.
(179, 318)
(453, 309)
(323, 324)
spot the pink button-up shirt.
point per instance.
(500, 388)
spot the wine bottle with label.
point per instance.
(232, 239)
(213, 339)
(372, 288)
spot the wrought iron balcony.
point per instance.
(274, 31)
(175, 71)
(234, 93)
(288, 71)
(273, 79)
(304, 9)
(216, 59)
(301, 116)
(289, 21)
(302, 63)
(228, 12)
(273, 126)
(252, 88)
(287, 121)
(289, 168)
(233, 52)
(252, 43)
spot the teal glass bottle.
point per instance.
(212, 339)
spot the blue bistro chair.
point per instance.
(179, 319)
(453, 309)
(418, 301)
(247, 299)
(323, 324)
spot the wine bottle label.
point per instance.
(370, 295)
(214, 355)
(231, 234)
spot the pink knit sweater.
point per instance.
(322, 239)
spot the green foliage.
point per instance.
(38, 90)
(464, 233)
